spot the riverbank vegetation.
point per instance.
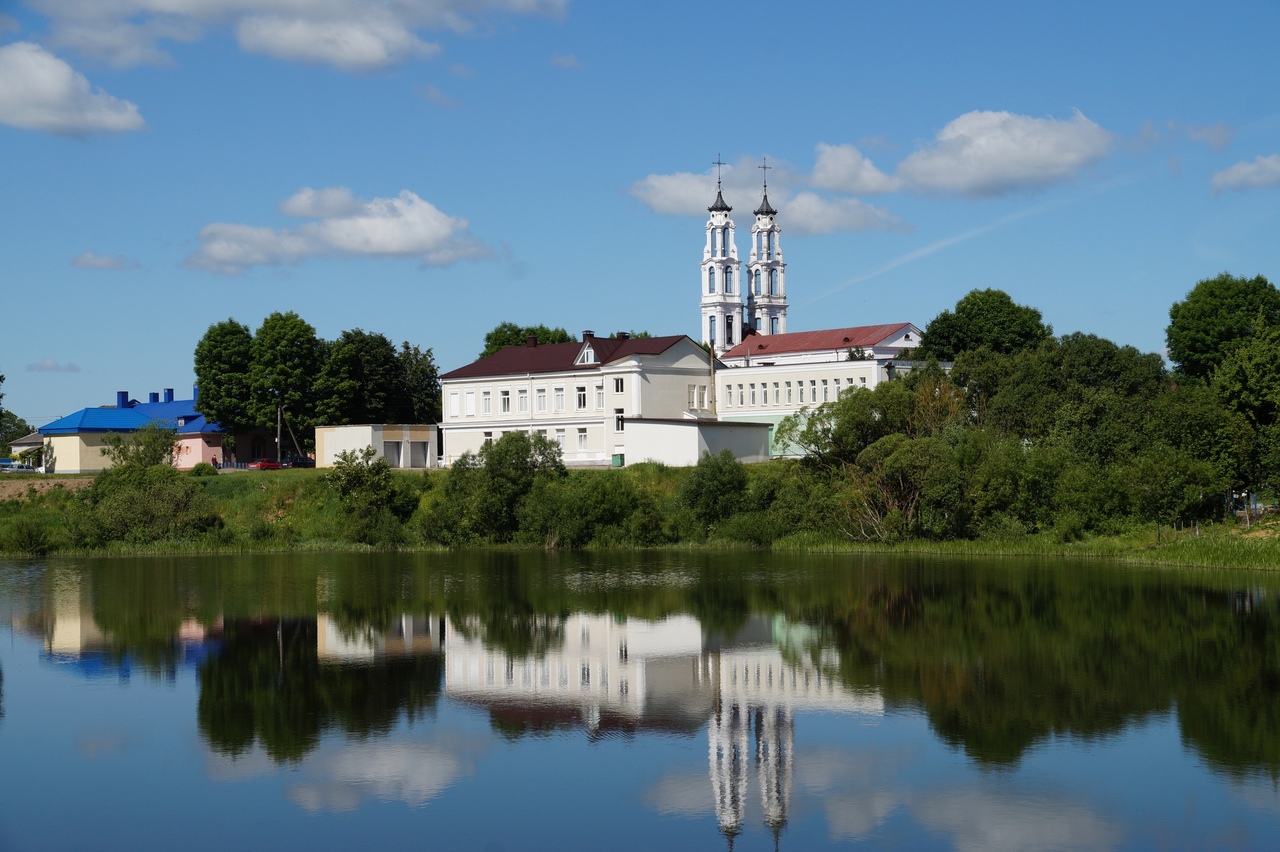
(1029, 443)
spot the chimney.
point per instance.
(153, 397)
(195, 392)
(531, 341)
(588, 335)
(624, 335)
(168, 394)
(122, 399)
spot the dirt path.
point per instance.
(15, 486)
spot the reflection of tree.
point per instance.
(267, 686)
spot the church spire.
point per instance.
(766, 310)
(721, 300)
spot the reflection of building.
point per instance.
(405, 636)
(606, 674)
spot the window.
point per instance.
(617, 385)
(724, 243)
(693, 396)
(813, 390)
(454, 407)
(728, 279)
(587, 356)
(522, 401)
(540, 400)
(769, 246)
(753, 393)
(728, 329)
(826, 392)
(728, 395)
(776, 398)
(702, 396)
(773, 326)
(742, 397)
(471, 403)
(582, 439)
(711, 331)
(542, 433)
(559, 399)
(599, 397)
(755, 282)
(711, 279)
(581, 397)
(505, 399)
(617, 420)
(800, 392)
(488, 437)
(773, 282)
(788, 393)
(560, 438)
(862, 380)
(486, 402)
(715, 234)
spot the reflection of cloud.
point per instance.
(409, 773)
(853, 817)
(988, 821)
(102, 743)
(682, 795)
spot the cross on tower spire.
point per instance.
(718, 164)
(765, 167)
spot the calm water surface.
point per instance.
(677, 701)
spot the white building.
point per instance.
(580, 395)
(407, 446)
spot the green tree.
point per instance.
(716, 488)
(287, 357)
(150, 445)
(983, 318)
(362, 381)
(12, 427)
(1218, 315)
(223, 363)
(422, 384)
(510, 334)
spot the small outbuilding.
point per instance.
(681, 442)
(405, 446)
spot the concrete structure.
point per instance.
(74, 444)
(409, 447)
(580, 395)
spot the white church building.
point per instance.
(620, 400)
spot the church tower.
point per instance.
(721, 297)
(766, 272)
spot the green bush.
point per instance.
(203, 469)
(28, 533)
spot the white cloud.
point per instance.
(986, 153)
(843, 168)
(809, 213)
(308, 203)
(48, 365)
(390, 772)
(91, 260)
(680, 194)
(1262, 172)
(350, 34)
(437, 96)
(39, 91)
(1216, 136)
(404, 226)
(350, 45)
(990, 822)
(567, 61)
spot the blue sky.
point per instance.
(429, 168)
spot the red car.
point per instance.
(263, 464)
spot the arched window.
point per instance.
(773, 326)
(728, 329)
(773, 282)
(711, 279)
(714, 233)
(724, 242)
(756, 282)
(769, 248)
(728, 279)
(711, 330)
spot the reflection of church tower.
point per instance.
(766, 272)
(775, 742)
(727, 737)
(721, 298)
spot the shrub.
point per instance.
(203, 469)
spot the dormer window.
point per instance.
(588, 356)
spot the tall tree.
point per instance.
(510, 334)
(362, 381)
(287, 357)
(1216, 317)
(983, 318)
(223, 362)
(422, 384)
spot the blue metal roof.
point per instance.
(179, 415)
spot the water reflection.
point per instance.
(315, 663)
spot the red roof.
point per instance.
(760, 345)
(560, 357)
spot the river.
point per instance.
(744, 700)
